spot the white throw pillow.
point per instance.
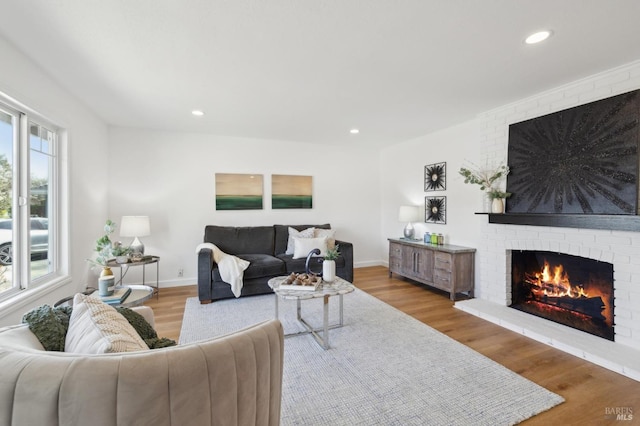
(97, 328)
(306, 233)
(302, 246)
(329, 233)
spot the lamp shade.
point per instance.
(135, 226)
(408, 214)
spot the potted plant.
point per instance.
(486, 178)
(121, 252)
(497, 200)
(329, 264)
(103, 251)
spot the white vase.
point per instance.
(497, 205)
(329, 270)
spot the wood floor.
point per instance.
(589, 390)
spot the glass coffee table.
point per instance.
(338, 287)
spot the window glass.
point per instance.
(8, 134)
(41, 165)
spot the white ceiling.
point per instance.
(309, 70)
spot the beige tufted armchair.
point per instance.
(231, 380)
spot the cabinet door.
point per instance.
(408, 263)
(424, 266)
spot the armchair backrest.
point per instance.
(232, 380)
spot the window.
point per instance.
(28, 204)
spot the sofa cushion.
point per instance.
(96, 328)
(241, 240)
(282, 235)
(261, 265)
(307, 233)
(329, 233)
(303, 246)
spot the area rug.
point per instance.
(383, 368)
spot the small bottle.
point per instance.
(427, 237)
(440, 239)
(434, 238)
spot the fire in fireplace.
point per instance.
(570, 290)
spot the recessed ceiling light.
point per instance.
(538, 37)
(354, 131)
(197, 113)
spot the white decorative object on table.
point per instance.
(329, 270)
(329, 264)
(497, 205)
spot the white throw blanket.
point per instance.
(231, 267)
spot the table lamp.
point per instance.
(135, 226)
(408, 214)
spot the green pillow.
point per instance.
(49, 325)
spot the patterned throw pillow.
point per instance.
(97, 328)
(307, 233)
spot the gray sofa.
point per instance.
(264, 247)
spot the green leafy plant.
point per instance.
(333, 253)
(104, 246)
(120, 250)
(484, 177)
(496, 193)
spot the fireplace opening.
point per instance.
(570, 290)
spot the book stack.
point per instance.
(118, 297)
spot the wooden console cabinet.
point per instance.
(446, 267)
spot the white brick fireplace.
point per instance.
(621, 248)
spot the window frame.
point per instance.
(23, 283)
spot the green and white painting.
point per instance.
(236, 191)
(291, 192)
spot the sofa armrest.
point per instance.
(205, 266)
(346, 251)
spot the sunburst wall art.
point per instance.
(435, 177)
(582, 160)
(435, 209)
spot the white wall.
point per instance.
(87, 156)
(402, 183)
(171, 177)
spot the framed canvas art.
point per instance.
(236, 191)
(291, 192)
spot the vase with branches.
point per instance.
(487, 178)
